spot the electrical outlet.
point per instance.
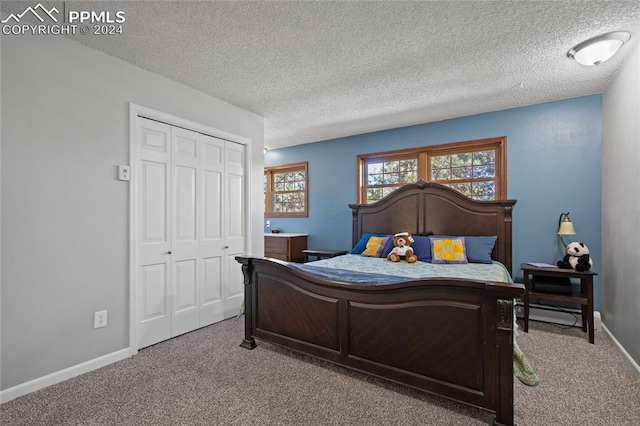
(268, 224)
(99, 319)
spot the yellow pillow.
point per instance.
(448, 250)
(373, 246)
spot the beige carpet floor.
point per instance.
(205, 378)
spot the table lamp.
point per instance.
(565, 227)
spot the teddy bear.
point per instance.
(402, 248)
(577, 258)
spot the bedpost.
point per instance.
(504, 331)
(355, 230)
(508, 224)
(247, 270)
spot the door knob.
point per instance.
(226, 247)
(169, 252)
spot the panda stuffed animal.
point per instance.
(577, 258)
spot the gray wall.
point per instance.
(65, 217)
(621, 206)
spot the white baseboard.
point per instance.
(565, 316)
(62, 375)
(622, 350)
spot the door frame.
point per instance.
(134, 160)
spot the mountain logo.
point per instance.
(34, 11)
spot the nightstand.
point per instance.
(322, 253)
(584, 299)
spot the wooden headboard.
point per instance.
(424, 208)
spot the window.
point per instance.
(477, 168)
(285, 190)
(385, 175)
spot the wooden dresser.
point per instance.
(285, 246)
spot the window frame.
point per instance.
(269, 171)
(423, 154)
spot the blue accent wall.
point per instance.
(554, 166)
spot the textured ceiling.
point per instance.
(318, 70)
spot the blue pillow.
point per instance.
(479, 248)
(384, 245)
(422, 248)
(388, 247)
(362, 244)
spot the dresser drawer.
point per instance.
(279, 256)
(276, 245)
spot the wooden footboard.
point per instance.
(449, 337)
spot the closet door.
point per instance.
(212, 241)
(234, 227)
(223, 235)
(190, 226)
(185, 257)
(153, 233)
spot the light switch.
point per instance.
(123, 173)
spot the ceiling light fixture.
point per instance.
(598, 49)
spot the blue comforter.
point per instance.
(345, 275)
(353, 268)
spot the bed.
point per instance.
(449, 336)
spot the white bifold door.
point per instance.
(190, 225)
